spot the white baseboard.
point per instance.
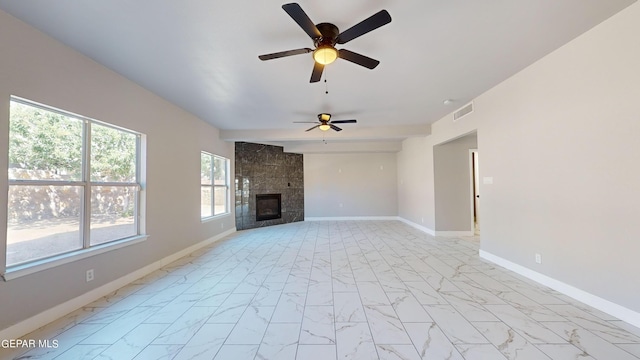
(419, 227)
(347, 218)
(37, 321)
(613, 309)
(454, 233)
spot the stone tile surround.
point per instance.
(267, 169)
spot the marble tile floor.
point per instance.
(336, 290)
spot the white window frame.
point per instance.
(9, 272)
(213, 186)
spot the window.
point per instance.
(214, 185)
(73, 183)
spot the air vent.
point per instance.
(464, 111)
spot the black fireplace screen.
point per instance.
(268, 207)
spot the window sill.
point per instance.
(17, 271)
(214, 217)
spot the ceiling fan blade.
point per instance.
(344, 121)
(371, 23)
(284, 53)
(305, 122)
(356, 58)
(299, 16)
(312, 128)
(335, 127)
(316, 75)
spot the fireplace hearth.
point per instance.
(268, 206)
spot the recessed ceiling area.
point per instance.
(203, 57)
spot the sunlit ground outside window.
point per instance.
(112, 213)
(48, 223)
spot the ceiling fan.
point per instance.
(325, 36)
(324, 123)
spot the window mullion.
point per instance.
(213, 186)
(114, 183)
(45, 182)
(86, 180)
(227, 180)
(136, 210)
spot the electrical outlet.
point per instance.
(538, 259)
(90, 275)
(221, 225)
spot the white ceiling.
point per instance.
(203, 56)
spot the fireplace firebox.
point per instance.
(268, 206)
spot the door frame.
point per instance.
(472, 190)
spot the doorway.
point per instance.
(452, 193)
(475, 190)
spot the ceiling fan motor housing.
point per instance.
(324, 117)
(329, 33)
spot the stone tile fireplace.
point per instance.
(264, 172)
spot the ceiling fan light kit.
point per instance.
(325, 36)
(325, 54)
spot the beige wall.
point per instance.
(416, 201)
(560, 140)
(36, 67)
(416, 176)
(365, 185)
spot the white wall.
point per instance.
(36, 67)
(365, 185)
(560, 140)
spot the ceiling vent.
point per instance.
(464, 111)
